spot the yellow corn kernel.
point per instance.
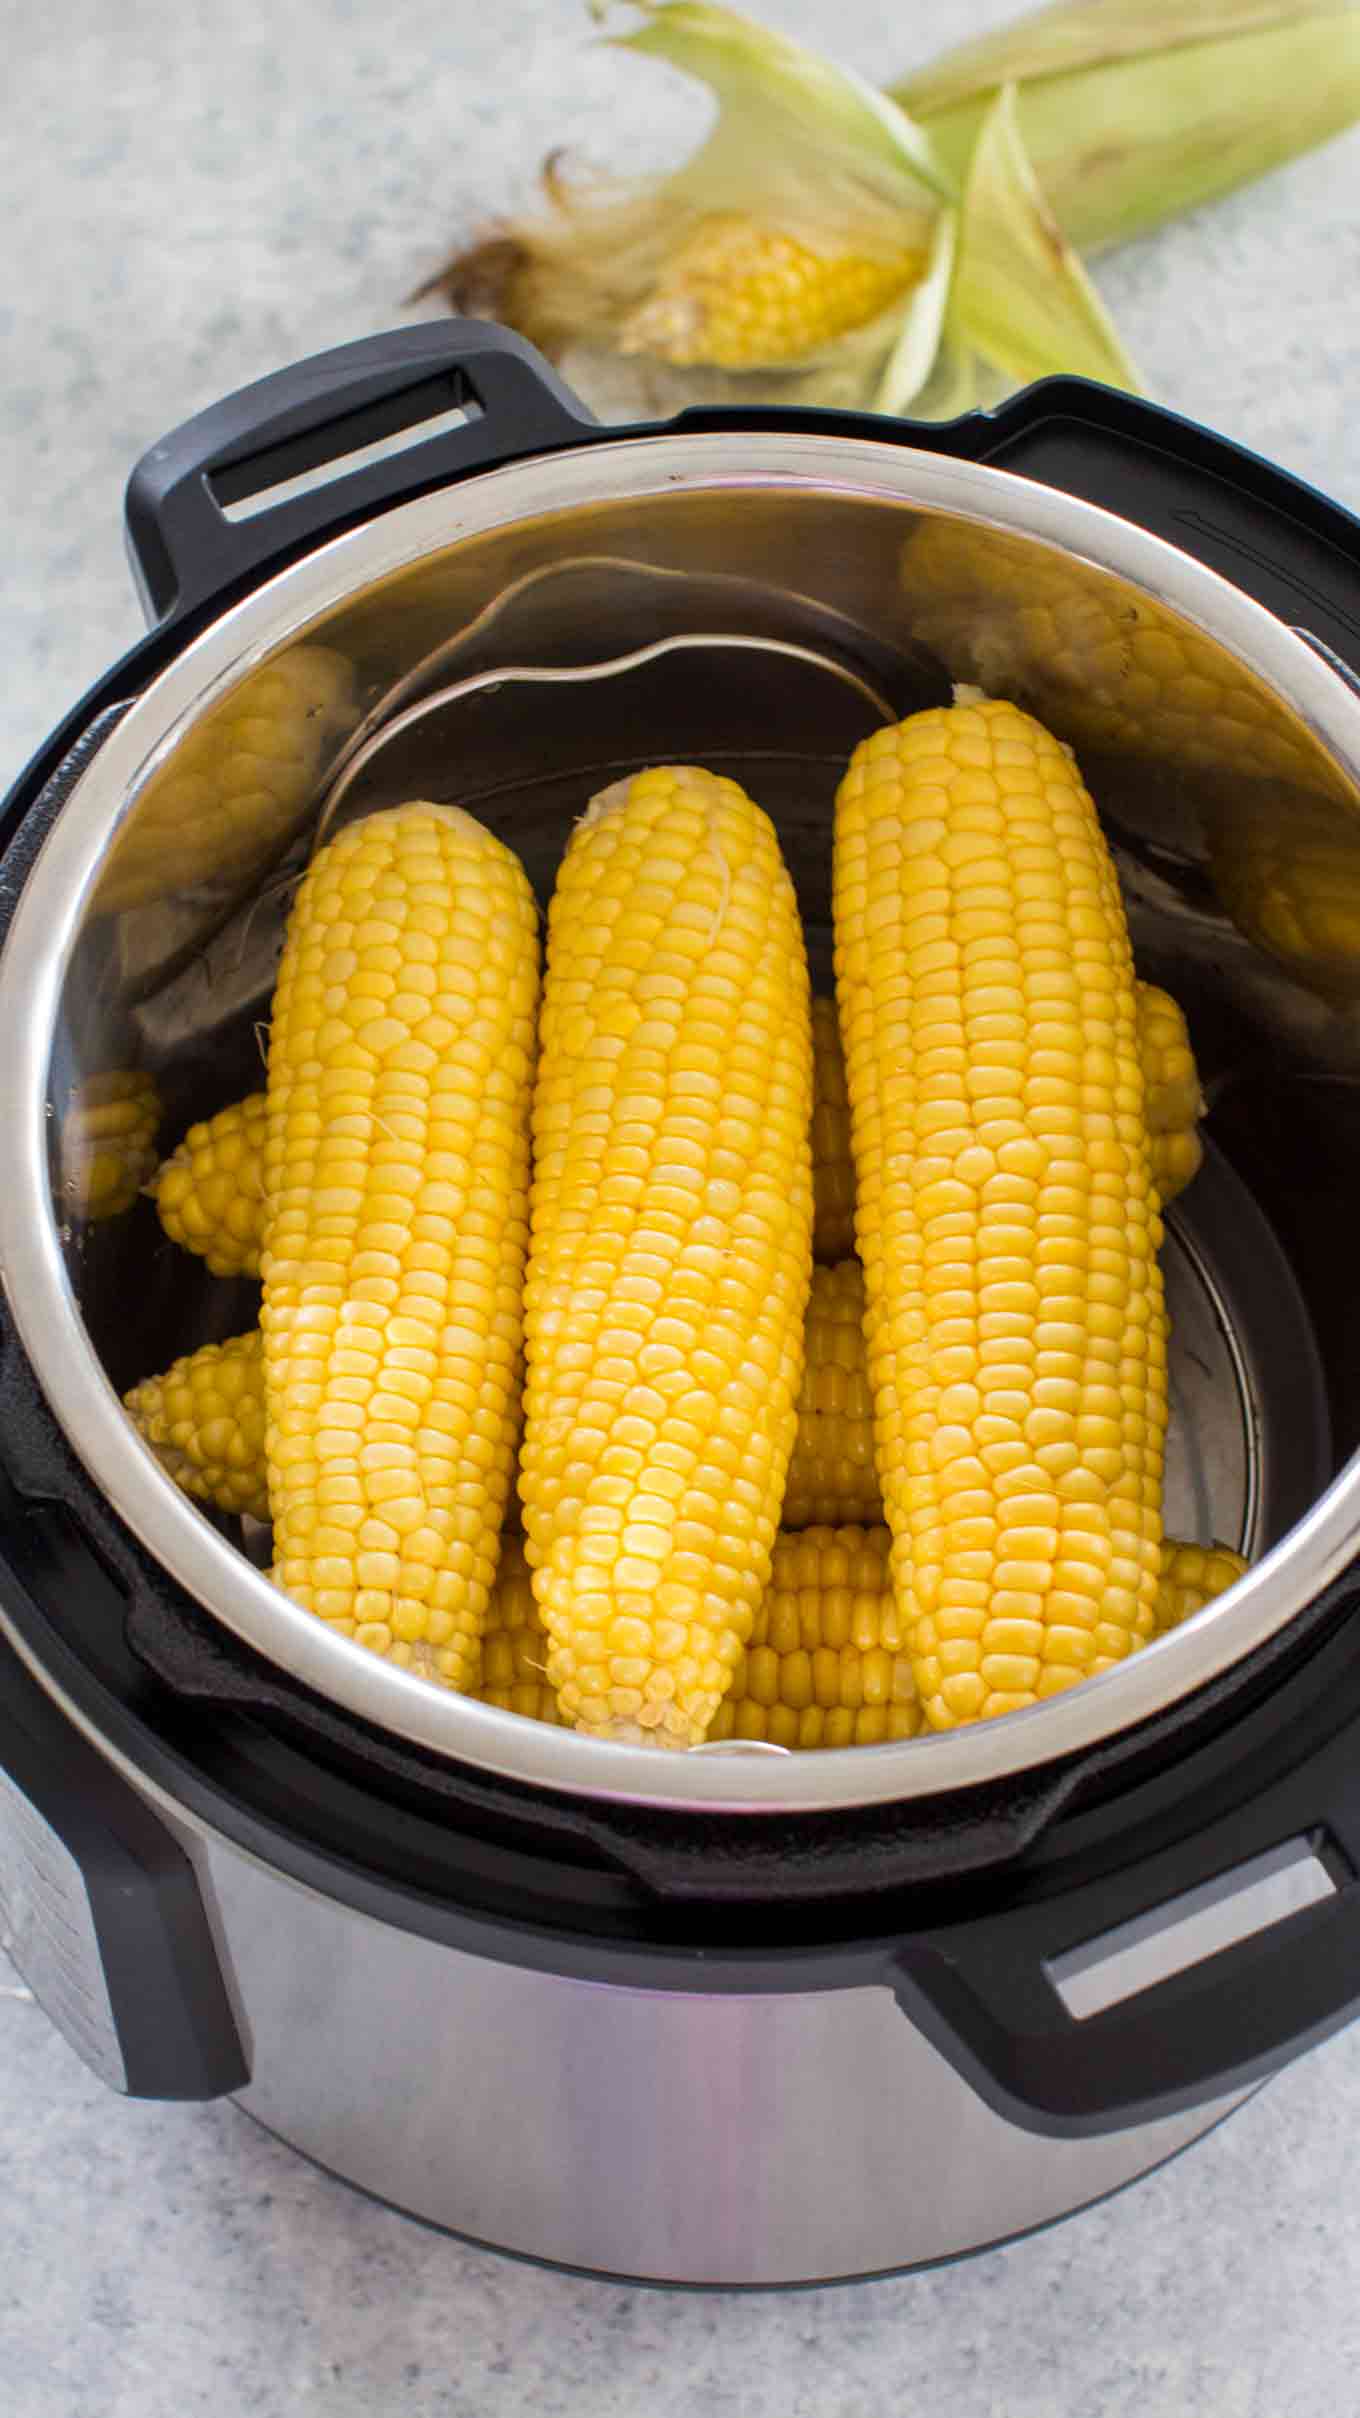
(832, 1477)
(1192, 1576)
(210, 1191)
(233, 791)
(1007, 1222)
(396, 1183)
(204, 1420)
(108, 1143)
(671, 1249)
(1173, 1102)
(737, 295)
(514, 1669)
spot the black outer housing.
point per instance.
(958, 1903)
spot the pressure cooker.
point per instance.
(725, 2017)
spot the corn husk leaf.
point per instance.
(914, 355)
(1134, 111)
(1072, 35)
(782, 108)
(1020, 296)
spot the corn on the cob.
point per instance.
(1172, 1100)
(1286, 867)
(233, 790)
(1173, 1105)
(108, 1143)
(210, 1191)
(826, 1664)
(671, 1249)
(833, 1165)
(738, 295)
(513, 1672)
(1117, 673)
(1015, 1325)
(1192, 1576)
(832, 1478)
(205, 1420)
(396, 1176)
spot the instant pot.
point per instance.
(724, 2017)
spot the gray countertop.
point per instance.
(193, 196)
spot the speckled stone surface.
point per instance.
(192, 196)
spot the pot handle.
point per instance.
(100, 1912)
(1183, 1977)
(100, 1908)
(439, 400)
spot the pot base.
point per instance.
(665, 2137)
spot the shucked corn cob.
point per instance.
(1174, 1104)
(513, 1671)
(231, 793)
(833, 1165)
(832, 1477)
(739, 295)
(205, 1421)
(1193, 1576)
(108, 1142)
(825, 1664)
(396, 1179)
(210, 1191)
(1005, 1210)
(1172, 1100)
(671, 1249)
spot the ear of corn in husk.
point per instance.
(805, 214)
(916, 249)
(1021, 302)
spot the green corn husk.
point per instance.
(969, 190)
(1135, 111)
(1021, 298)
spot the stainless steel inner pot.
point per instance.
(1224, 753)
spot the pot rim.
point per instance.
(32, 974)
